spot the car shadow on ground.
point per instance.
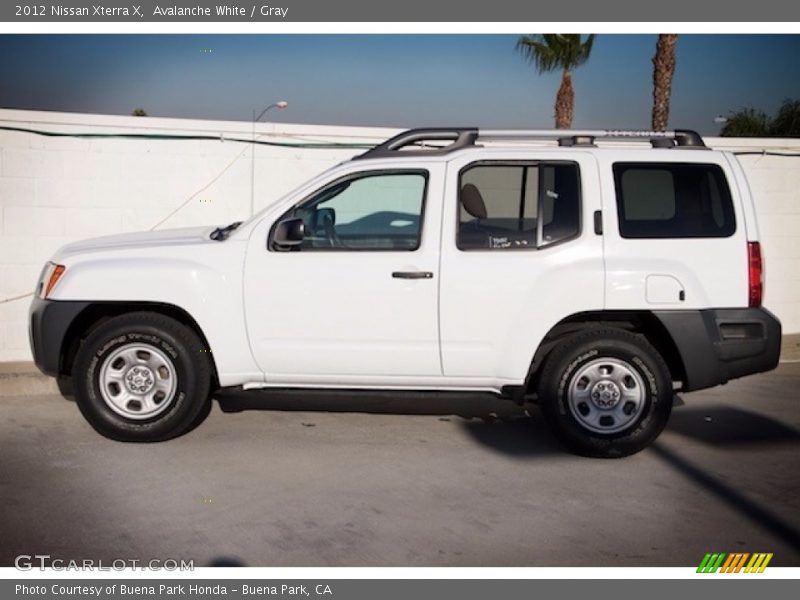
(503, 425)
(752, 510)
(727, 426)
(499, 424)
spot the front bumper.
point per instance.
(718, 345)
(48, 324)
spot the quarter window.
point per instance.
(518, 206)
(673, 200)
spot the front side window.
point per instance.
(380, 211)
(518, 206)
(673, 200)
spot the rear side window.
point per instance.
(518, 206)
(673, 200)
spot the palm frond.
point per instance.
(585, 50)
(536, 50)
(554, 51)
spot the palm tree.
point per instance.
(554, 51)
(663, 70)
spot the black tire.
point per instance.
(577, 354)
(187, 358)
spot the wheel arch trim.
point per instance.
(644, 322)
(65, 323)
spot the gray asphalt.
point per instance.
(300, 479)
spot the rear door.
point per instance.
(518, 255)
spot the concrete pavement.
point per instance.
(306, 479)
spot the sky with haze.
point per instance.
(390, 80)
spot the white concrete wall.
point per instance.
(56, 190)
(775, 184)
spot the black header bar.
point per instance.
(443, 11)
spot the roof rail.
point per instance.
(461, 137)
(581, 137)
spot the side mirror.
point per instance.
(289, 232)
(323, 216)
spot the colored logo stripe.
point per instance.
(758, 563)
(734, 562)
(711, 562)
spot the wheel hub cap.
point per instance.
(606, 395)
(139, 380)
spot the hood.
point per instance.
(166, 237)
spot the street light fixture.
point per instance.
(280, 104)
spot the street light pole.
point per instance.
(281, 104)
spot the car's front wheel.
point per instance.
(142, 377)
(606, 392)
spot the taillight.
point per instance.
(755, 273)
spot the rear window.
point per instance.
(673, 200)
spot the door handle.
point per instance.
(598, 222)
(412, 275)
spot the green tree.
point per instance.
(663, 71)
(787, 122)
(138, 112)
(553, 52)
(754, 122)
(747, 122)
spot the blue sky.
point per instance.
(393, 80)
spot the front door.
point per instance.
(357, 299)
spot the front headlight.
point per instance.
(50, 276)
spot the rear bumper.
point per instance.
(718, 345)
(48, 323)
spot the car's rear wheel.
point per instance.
(142, 377)
(606, 392)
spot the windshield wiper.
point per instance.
(222, 233)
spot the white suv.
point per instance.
(592, 280)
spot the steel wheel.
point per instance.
(605, 392)
(606, 395)
(138, 381)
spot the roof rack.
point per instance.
(462, 137)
